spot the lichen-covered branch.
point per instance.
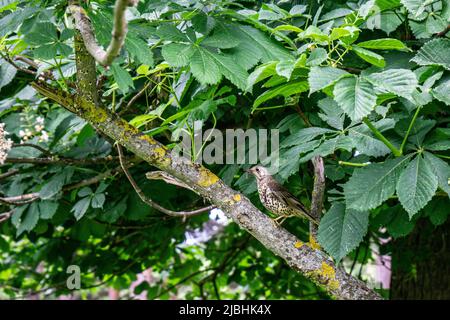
(83, 25)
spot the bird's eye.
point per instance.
(257, 169)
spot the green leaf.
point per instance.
(441, 169)
(330, 146)
(230, 69)
(316, 57)
(366, 143)
(441, 92)
(41, 34)
(7, 73)
(322, 77)
(400, 225)
(13, 20)
(47, 209)
(260, 73)
(29, 221)
(223, 36)
(258, 41)
(337, 33)
(341, 230)
(170, 32)
(370, 186)
(204, 68)
(55, 184)
(288, 27)
(177, 54)
(304, 135)
(419, 30)
(284, 90)
(437, 210)
(314, 33)
(355, 96)
(139, 49)
(416, 185)
(98, 200)
(435, 24)
(434, 52)
(85, 191)
(80, 208)
(285, 68)
(122, 77)
(401, 82)
(383, 44)
(387, 4)
(370, 56)
(333, 115)
(416, 7)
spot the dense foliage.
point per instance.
(364, 84)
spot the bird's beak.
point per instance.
(249, 171)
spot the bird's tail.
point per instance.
(311, 218)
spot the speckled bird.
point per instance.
(277, 199)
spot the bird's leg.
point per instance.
(275, 221)
(278, 224)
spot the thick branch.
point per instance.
(83, 24)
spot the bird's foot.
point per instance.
(277, 222)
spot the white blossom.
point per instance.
(5, 144)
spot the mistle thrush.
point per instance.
(277, 199)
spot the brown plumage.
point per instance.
(277, 199)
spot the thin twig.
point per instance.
(5, 215)
(68, 161)
(35, 146)
(135, 97)
(9, 173)
(153, 204)
(444, 32)
(83, 24)
(302, 115)
(318, 193)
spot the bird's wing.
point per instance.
(285, 196)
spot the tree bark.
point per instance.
(421, 263)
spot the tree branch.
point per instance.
(35, 146)
(67, 161)
(150, 202)
(83, 24)
(317, 194)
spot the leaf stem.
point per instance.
(352, 164)
(382, 138)
(409, 128)
(442, 156)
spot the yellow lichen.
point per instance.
(329, 274)
(207, 178)
(325, 275)
(313, 243)
(298, 244)
(148, 139)
(328, 271)
(237, 197)
(160, 152)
